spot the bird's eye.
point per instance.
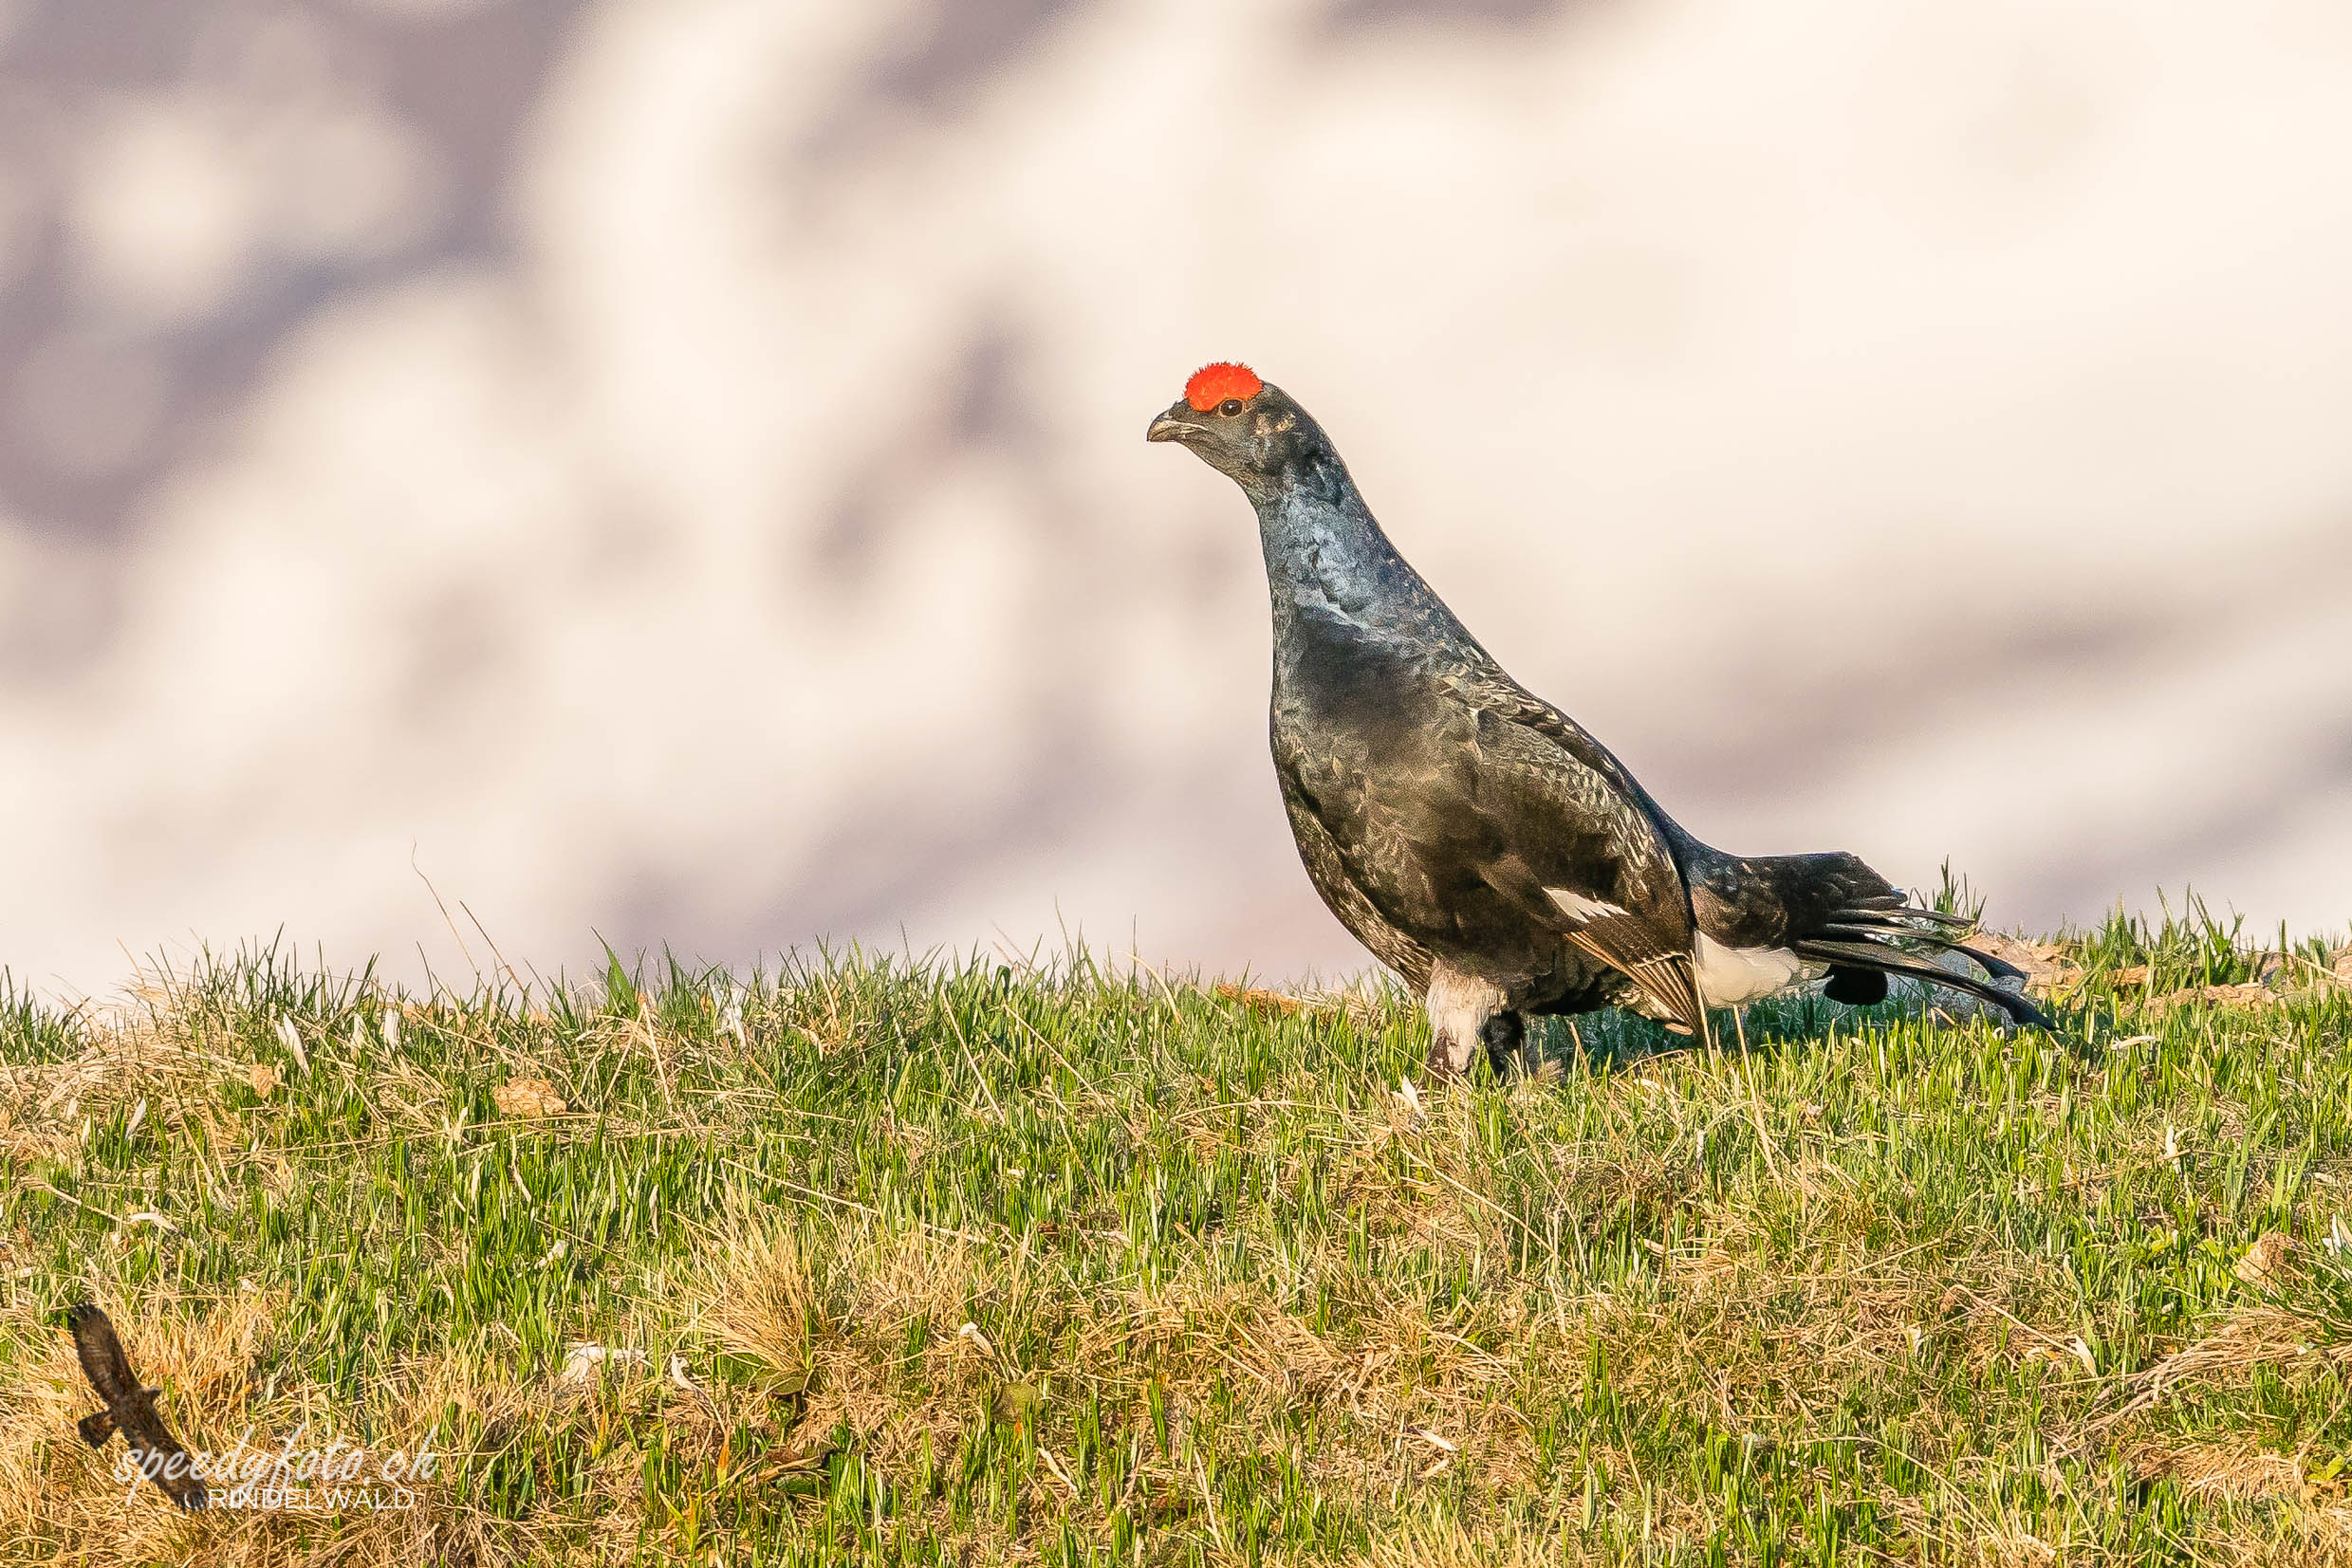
(1229, 407)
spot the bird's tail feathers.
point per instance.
(1871, 932)
(1833, 945)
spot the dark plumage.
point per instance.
(1474, 837)
(130, 1409)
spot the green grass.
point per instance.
(1872, 1287)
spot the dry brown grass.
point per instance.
(216, 1361)
(60, 1501)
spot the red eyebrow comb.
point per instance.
(1213, 384)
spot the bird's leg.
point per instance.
(1505, 1038)
(1459, 1006)
(1448, 1057)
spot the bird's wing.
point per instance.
(155, 1448)
(99, 1352)
(1588, 857)
(1668, 979)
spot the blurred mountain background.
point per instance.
(670, 472)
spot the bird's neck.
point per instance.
(1326, 558)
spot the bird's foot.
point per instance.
(1504, 1036)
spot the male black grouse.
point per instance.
(1474, 837)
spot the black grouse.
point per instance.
(1474, 837)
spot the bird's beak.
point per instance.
(1168, 428)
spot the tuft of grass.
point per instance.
(918, 1262)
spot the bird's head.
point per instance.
(1247, 430)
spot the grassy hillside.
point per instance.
(971, 1263)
